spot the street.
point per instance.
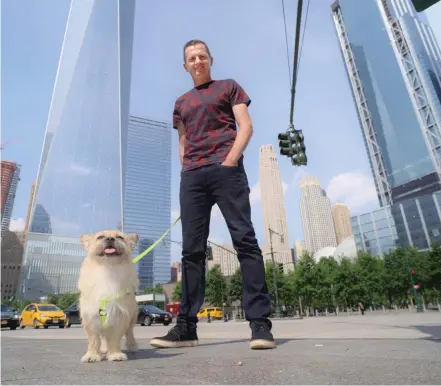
(402, 348)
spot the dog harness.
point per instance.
(104, 302)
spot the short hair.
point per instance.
(193, 43)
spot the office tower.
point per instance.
(315, 210)
(178, 266)
(10, 172)
(12, 258)
(375, 232)
(80, 181)
(28, 214)
(147, 195)
(226, 257)
(299, 249)
(393, 66)
(273, 206)
(342, 221)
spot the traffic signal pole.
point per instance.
(419, 306)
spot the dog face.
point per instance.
(110, 246)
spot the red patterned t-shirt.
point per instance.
(206, 112)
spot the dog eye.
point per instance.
(100, 237)
(120, 237)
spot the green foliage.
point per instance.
(367, 279)
(177, 292)
(235, 288)
(216, 292)
(157, 289)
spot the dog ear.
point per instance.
(132, 239)
(85, 240)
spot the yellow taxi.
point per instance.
(40, 314)
(215, 313)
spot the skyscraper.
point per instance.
(393, 66)
(80, 181)
(147, 198)
(273, 205)
(10, 172)
(342, 221)
(315, 210)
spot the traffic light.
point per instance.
(292, 145)
(209, 253)
(422, 5)
(308, 266)
(413, 272)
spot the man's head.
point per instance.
(197, 59)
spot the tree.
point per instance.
(269, 277)
(235, 288)
(177, 292)
(157, 289)
(67, 300)
(216, 293)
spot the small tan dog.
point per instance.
(108, 273)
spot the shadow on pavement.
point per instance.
(433, 331)
(150, 353)
(279, 342)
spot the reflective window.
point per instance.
(395, 122)
(80, 179)
(147, 199)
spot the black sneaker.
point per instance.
(261, 337)
(179, 336)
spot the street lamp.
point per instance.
(276, 292)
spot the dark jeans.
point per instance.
(228, 188)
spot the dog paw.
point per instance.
(117, 356)
(90, 357)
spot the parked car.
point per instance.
(149, 315)
(73, 314)
(10, 317)
(40, 314)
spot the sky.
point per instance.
(247, 42)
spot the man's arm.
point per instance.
(243, 119)
(181, 133)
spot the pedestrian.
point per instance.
(211, 152)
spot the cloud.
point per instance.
(355, 189)
(17, 224)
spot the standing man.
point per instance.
(213, 173)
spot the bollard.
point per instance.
(297, 314)
(337, 311)
(439, 307)
(326, 312)
(384, 309)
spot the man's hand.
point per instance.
(230, 164)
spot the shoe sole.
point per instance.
(158, 343)
(262, 344)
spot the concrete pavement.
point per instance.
(369, 349)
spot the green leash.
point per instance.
(104, 302)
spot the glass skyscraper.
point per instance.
(80, 182)
(147, 198)
(393, 66)
(415, 222)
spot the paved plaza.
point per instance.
(402, 348)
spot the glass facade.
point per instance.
(147, 198)
(389, 68)
(415, 222)
(80, 182)
(418, 221)
(375, 232)
(52, 265)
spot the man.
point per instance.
(213, 173)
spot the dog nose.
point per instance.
(110, 239)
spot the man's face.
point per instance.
(198, 61)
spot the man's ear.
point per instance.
(132, 239)
(86, 241)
